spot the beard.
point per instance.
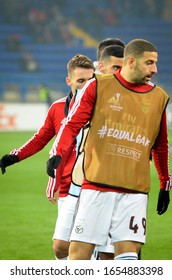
(139, 77)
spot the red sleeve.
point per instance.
(160, 154)
(39, 139)
(79, 115)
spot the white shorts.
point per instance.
(122, 215)
(65, 218)
(60, 203)
(108, 248)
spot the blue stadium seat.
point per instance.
(52, 58)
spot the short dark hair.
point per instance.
(137, 47)
(113, 50)
(107, 42)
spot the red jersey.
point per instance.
(50, 128)
(81, 113)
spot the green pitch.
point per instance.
(27, 219)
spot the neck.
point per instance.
(125, 76)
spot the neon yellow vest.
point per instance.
(123, 129)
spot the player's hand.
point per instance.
(54, 198)
(7, 160)
(163, 201)
(52, 164)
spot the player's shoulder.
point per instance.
(60, 101)
(101, 80)
(102, 77)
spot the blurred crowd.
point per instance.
(47, 23)
(43, 19)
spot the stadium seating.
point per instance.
(52, 58)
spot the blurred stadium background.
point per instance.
(37, 38)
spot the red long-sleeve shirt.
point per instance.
(81, 113)
(49, 129)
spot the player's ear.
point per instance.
(68, 82)
(131, 62)
(100, 66)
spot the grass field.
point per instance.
(27, 219)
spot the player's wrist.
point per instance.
(165, 185)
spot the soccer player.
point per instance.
(121, 109)
(80, 69)
(110, 61)
(102, 45)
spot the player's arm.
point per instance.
(79, 115)
(160, 153)
(64, 169)
(31, 147)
